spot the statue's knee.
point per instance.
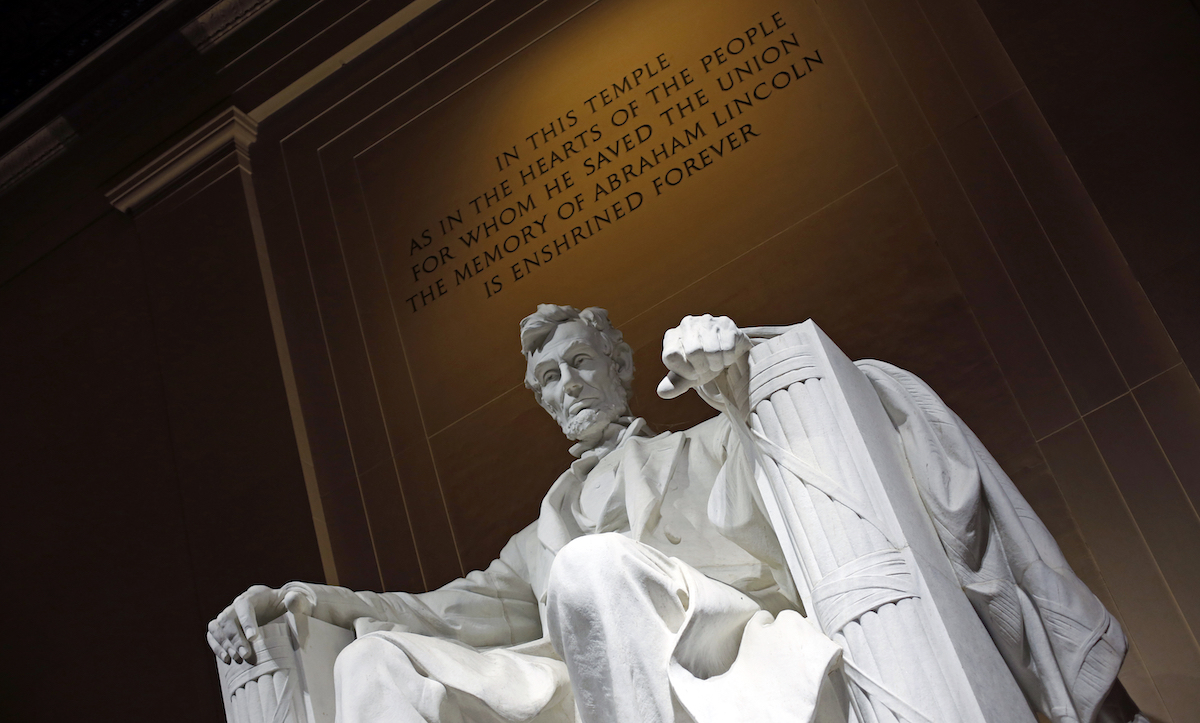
(373, 674)
(358, 659)
(589, 567)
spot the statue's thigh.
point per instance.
(385, 676)
(607, 586)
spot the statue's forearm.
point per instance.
(342, 606)
(491, 607)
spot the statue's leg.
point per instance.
(399, 677)
(619, 611)
(376, 683)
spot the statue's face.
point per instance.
(579, 383)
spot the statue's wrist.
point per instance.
(302, 588)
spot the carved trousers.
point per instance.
(641, 636)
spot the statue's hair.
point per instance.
(539, 327)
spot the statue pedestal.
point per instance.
(291, 679)
(864, 554)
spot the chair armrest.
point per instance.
(291, 679)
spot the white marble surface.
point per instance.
(801, 557)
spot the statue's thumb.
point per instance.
(673, 385)
(297, 603)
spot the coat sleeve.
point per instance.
(490, 607)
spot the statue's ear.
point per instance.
(623, 356)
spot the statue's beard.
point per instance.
(591, 422)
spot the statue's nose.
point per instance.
(572, 384)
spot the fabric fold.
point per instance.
(1063, 647)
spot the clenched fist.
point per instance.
(699, 350)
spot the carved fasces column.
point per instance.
(863, 552)
(291, 678)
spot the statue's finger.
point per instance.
(710, 338)
(687, 339)
(217, 649)
(223, 628)
(743, 342)
(671, 343)
(728, 336)
(678, 363)
(229, 635)
(708, 360)
(673, 385)
(244, 608)
(714, 356)
(231, 649)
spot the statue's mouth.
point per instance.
(580, 405)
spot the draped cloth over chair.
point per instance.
(911, 548)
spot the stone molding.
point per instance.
(34, 152)
(221, 20)
(231, 128)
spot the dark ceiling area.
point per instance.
(39, 40)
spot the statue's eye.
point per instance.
(550, 377)
(579, 360)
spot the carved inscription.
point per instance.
(602, 160)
